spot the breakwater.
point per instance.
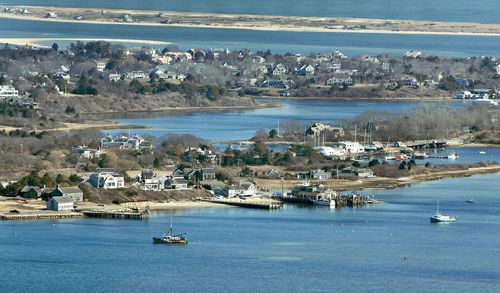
(133, 215)
(264, 205)
(41, 216)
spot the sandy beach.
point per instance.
(38, 41)
(254, 22)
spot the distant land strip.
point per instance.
(246, 21)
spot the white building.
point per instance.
(352, 147)
(60, 203)
(107, 180)
(8, 92)
(101, 65)
(243, 189)
(331, 151)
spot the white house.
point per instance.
(243, 189)
(340, 79)
(107, 180)
(279, 70)
(352, 147)
(306, 70)
(463, 95)
(331, 151)
(413, 54)
(101, 65)
(8, 92)
(134, 75)
(60, 203)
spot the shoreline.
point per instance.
(37, 41)
(388, 99)
(37, 207)
(258, 22)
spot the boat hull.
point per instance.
(157, 240)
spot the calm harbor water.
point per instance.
(390, 247)
(352, 44)
(485, 11)
(243, 125)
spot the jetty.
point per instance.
(252, 204)
(133, 215)
(41, 216)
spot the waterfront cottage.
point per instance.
(176, 183)
(356, 172)
(61, 203)
(107, 180)
(243, 189)
(74, 193)
(320, 175)
(31, 192)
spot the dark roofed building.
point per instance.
(31, 192)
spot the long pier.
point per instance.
(41, 216)
(247, 204)
(117, 215)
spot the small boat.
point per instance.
(471, 200)
(420, 156)
(169, 238)
(401, 157)
(453, 156)
(324, 202)
(441, 218)
(481, 152)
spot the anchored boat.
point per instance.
(170, 238)
(441, 218)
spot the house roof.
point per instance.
(62, 199)
(28, 188)
(69, 190)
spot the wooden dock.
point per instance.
(268, 205)
(117, 215)
(41, 216)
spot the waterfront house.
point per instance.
(135, 142)
(413, 54)
(88, 153)
(107, 180)
(339, 79)
(258, 59)
(208, 173)
(463, 95)
(61, 203)
(8, 92)
(320, 175)
(351, 147)
(244, 189)
(272, 174)
(306, 192)
(306, 70)
(176, 183)
(279, 70)
(134, 75)
(101, 65)
(370, 59)
(114, 77)
(74, 192)
(31, 192)
(352, 171)
(278, 84)
(409, 81)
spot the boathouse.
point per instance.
(61, 203)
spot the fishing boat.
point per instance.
(441, 218)
(324, 202)
(420, 156)
(453, 156)
(470, 200)
(170, 238)
(481, 152)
